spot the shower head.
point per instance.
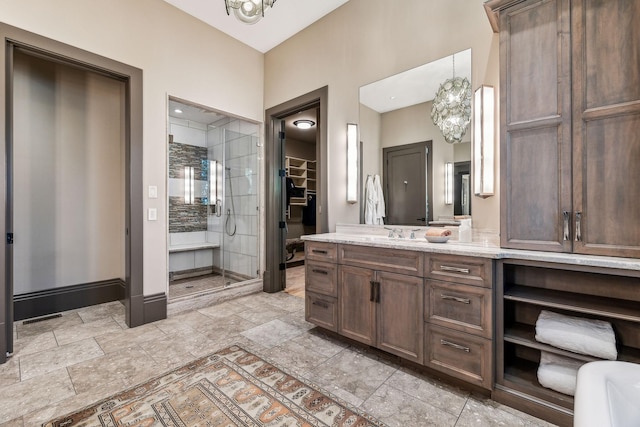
(227, 168)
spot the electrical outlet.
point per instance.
(152, 214)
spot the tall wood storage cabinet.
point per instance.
(570, 125)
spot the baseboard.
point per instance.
(155, 307)
(41, 303)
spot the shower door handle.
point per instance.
(219, 208)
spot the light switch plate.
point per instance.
(153, 192)
(152, 214)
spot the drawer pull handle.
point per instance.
(315, 270)
(456, 346)
(457, 299)
(454, 269)
(321, 304)
(319, 251)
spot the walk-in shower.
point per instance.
(213, 200)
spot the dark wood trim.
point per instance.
(49, 301)
(273, 278)
(493, 7)
(155, 307)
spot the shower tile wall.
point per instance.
(187, 149)
(188, 222)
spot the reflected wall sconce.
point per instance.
(448, 183)
(189, 185)
(352, 163)
(213, 181)
(484, 141)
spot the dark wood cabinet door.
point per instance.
(400, 315)
(606, 127)
(357, 306)
(535, 117)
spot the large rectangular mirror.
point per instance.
(401, 144)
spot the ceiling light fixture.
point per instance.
(304, 124)
(451, 110)
(248, 11)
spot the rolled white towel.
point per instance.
(558, 373)
(585, 336)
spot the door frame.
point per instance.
(55, 51)
(274, 278)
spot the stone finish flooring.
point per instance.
(63, 364)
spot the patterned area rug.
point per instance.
(229, 388)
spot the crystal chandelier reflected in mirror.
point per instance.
(248, 11)
(451, 110)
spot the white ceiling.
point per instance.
(286, 18)
(414, 86)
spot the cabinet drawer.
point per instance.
(321, 310)
(320, 251)
(321, 277)
(392, 260)
(462, 307)
(460, 269)
(458, 354)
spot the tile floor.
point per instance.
(66, 363)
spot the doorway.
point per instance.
(276, 180)
(213, 196)
(45, 71)
(407, 183)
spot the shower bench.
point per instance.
(192, 259)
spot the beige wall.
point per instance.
(179, 56)
(68, 160)
(367, 40)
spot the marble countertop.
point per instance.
(477, 249)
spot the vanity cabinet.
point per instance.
(321, 281)
(459, 317)
(523, 290)
(380, 299)
(382, 309)
(569, 117)
(432, 309)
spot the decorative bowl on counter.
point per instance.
(437, 239)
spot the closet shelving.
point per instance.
(303, 174)
(524, 288)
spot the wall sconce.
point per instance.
(483, 141)
(352, 163)
(189, 185)
(448, 183)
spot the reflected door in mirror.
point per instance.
(407, 183)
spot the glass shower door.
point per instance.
(240, 246)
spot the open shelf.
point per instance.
(522, 375)
(524, 335)
(579, 303)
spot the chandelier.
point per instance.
(451, 110)
(248, 11)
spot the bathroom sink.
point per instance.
(607, 395)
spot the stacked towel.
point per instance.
(585, 336)
(558, 373)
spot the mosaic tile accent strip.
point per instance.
(186, 218)
(181, 155)
(183, 217)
